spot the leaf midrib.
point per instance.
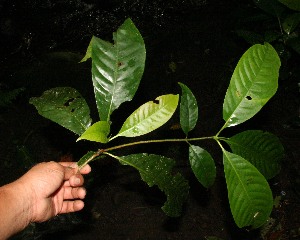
(243, 185)
(164, 105)
(247, 93)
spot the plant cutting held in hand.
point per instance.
(116, 73)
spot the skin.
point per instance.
(46, 190)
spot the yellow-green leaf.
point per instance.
(97, 132)
(149, 116)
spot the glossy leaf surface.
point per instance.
(249, 194)
(202, 165)
(97, 132)
(149, 116)
(157, 170)
(65, 106)
(116, 68)
(188, 109)
(262, 149)
(253, 83)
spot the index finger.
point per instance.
(85, 170)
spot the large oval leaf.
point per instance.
(202, 165)
(149, 116)
(262, 149)
(97, 132)
(157, 170)
(249, 194)
(188, 109)
(116, 68)
(253, 83)
(65, 106)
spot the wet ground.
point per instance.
(193, 42)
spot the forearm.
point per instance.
(14, 209)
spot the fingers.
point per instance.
(74, 193)
(85, 170)
(72, 206)
(76, 180)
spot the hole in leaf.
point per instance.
(249, 98)
(69, 101)
(156, 101)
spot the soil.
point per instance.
(189, 41)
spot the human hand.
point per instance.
(54, 188)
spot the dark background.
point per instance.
(191, 41)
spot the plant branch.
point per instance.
(156, 141)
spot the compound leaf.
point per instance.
(97, 132)
(65, 106)
(253, 83)
(188, 109)
(249, 194)
(149, 116)
(202, 165)
(116, 68)
(262, 149)
(156, 170)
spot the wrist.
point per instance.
(15, 209)
(23, 195)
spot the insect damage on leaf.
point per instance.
(69, 102)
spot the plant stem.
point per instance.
(105, 151)
(156, 141)
(224, 126)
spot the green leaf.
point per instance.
(292, 4)
(116, 68)
(65, 106)
(272, 7)
(202, 165)
(97, 132)
(88, 53)
(88, 157)
(253, 83)
(291, 22)
(249, 194)
(262, 149)
(149, 116)
(188, 109)
(157, 170)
